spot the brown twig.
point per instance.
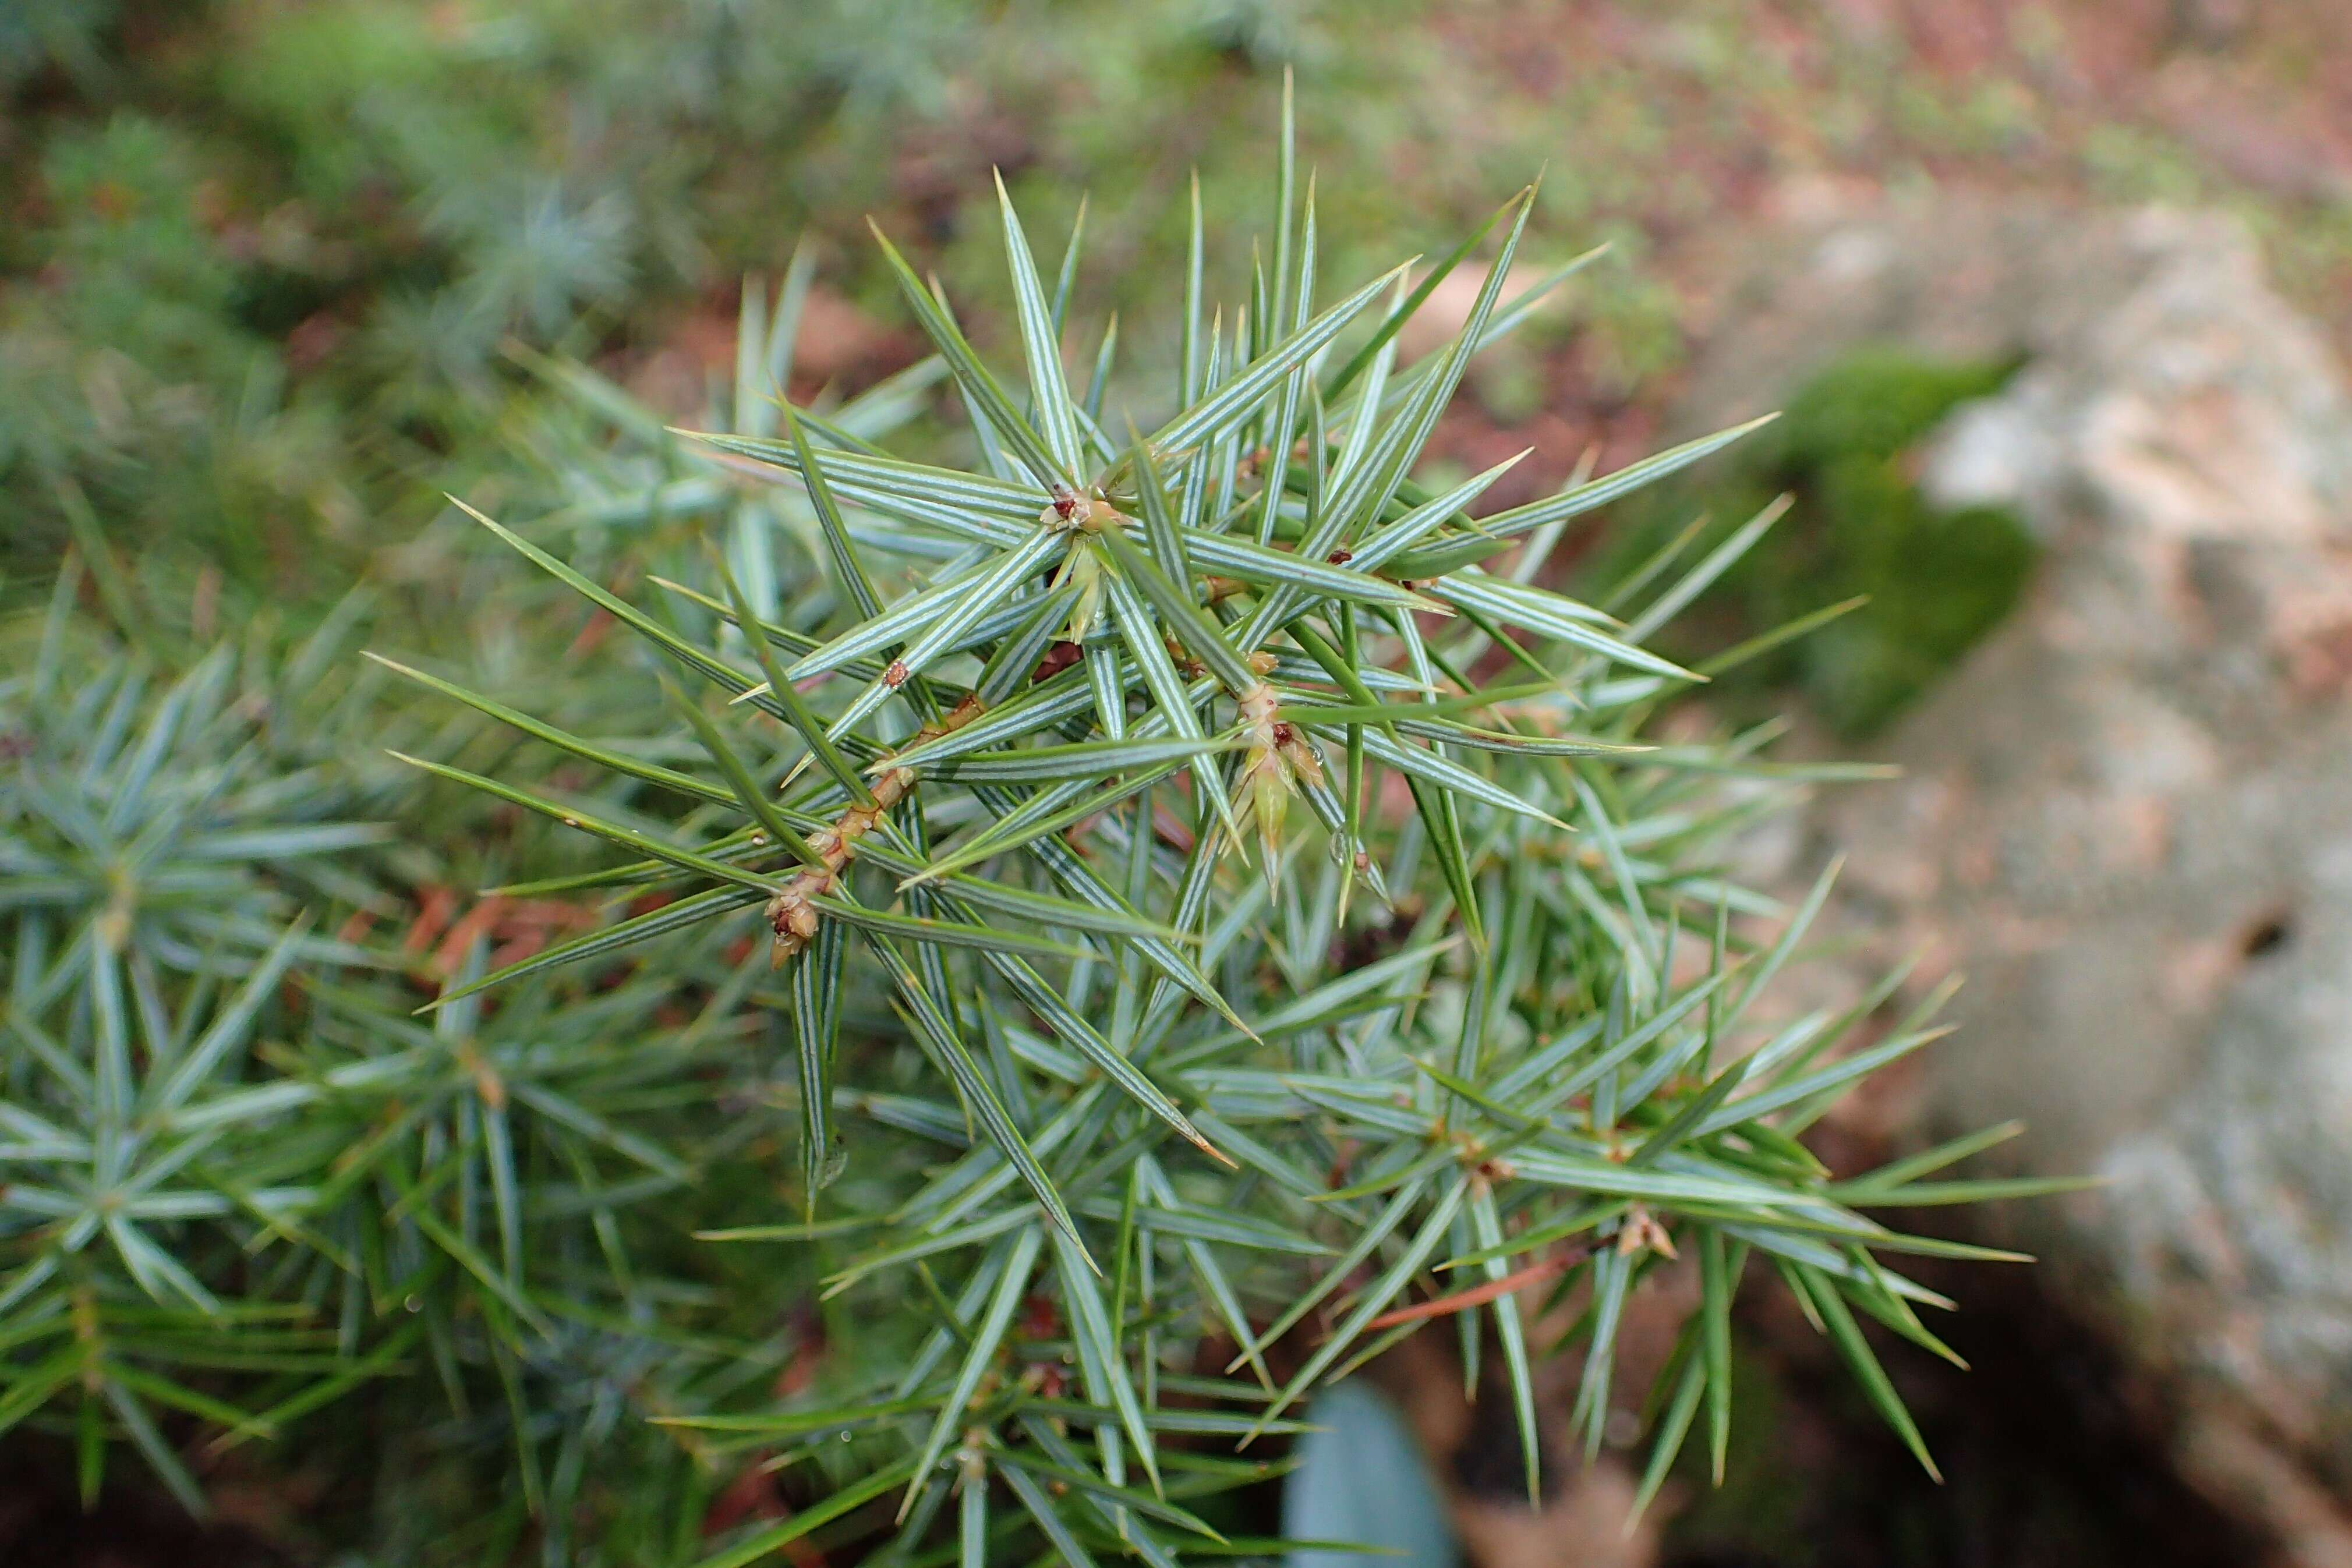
(1477, 1295)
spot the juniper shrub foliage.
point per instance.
(1212, 912)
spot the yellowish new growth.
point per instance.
(1278, 761)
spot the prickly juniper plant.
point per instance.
(1225, 919)
(237, 1181)
(159, 838)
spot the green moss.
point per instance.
(1936, 580)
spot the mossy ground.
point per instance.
(1932, 582)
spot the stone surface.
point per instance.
(2129, 815)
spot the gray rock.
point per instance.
(2129, 816)
(2233, 1213)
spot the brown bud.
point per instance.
(1059, 657)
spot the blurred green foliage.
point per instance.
(59, 35)
(269, 258)
(258, 259)
(261, 263)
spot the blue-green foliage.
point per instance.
(243, 1182)
(61, 35)
(284, 274)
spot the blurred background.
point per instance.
(2054, 296)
